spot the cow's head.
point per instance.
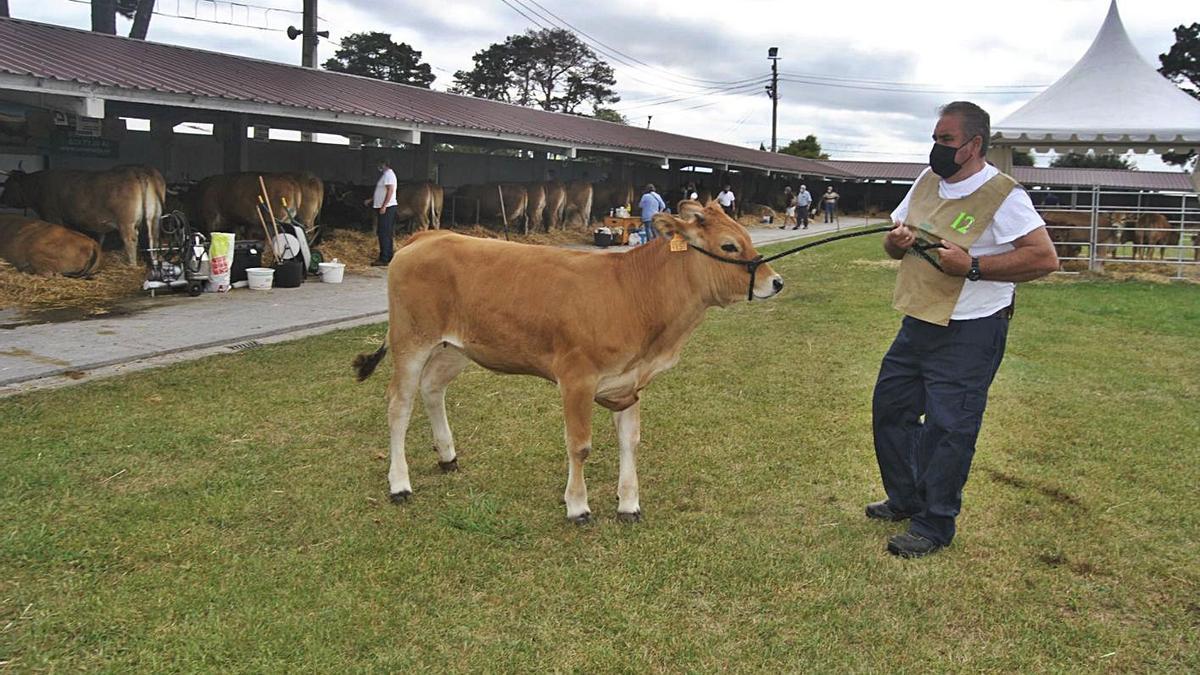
(12, 195)
(725, 280)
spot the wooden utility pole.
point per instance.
(773, 90)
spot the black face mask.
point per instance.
(941, 159)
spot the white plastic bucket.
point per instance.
(260, 278)
(331, 272)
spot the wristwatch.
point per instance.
(974, 274)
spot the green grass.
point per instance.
(231, 514)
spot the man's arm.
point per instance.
(391, 189)
(1032, 258)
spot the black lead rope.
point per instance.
(752, 265)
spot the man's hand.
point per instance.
(382, 210)
(954, 259)
(366, 202)
(897, 242)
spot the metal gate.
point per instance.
(1125, 226)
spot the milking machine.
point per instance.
(181, 258)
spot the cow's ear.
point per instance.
(669, 226)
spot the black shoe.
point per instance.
(882, 511)
(909, 545)
(379, 263)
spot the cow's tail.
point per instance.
(433, 215)
(587, 211)
(90, 268)
(365, 364)
(152, 205)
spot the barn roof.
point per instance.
(52, 59)
(1111, 98)
(1158, 181)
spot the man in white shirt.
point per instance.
(726, 199)
(650, 204)
(384, 203)
(933, 382)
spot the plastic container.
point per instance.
(260, 278)
(247, 253)
(331, 272)
(289, 273)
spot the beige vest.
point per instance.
(922, 291)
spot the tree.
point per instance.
(805, 147)
(1092, 161)
(609, 115)
(374, 55)
(1022, 158)
(104, 16)
(1181, 65)
(550, 68)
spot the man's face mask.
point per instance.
(941, 159)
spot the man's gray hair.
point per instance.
(976, 121)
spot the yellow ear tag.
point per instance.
(678, 243)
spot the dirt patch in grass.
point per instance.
(1053, 493)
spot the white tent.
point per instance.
(1110, 101)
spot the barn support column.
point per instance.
(423, 165)
(236, 153)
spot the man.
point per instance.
(690, 192)
(650, 204)
(789, 206)
(830, 199)
(384, 203)
(727, 200)
(957, 300)
(803, 204)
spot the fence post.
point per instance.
(1095, 223)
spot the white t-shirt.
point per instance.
(725, 198)
(388, 177)
(1014, 219)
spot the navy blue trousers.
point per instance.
(385, 230)
(927, 411)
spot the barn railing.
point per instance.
(1117, 239)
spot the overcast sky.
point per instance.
(691, 64)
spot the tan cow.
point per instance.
(535, 206)
(578, 203)
(419, 203)
(556, 201)
(1071, 230)
(610, 195)
(228, 202)
(119, 199)
(599, 326)
(489, 197)
(1148, 232)
(312, 197)
(46, 249)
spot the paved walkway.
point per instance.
(150, 332)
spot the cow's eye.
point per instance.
(732, 248)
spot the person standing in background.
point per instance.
(803, 205)
(384, 203)
(650, 204)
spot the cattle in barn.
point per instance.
(577, 206)
(312, 198)
(556, 201)
(610, 195)
(535, 205)
(348, 205)
(489, 198)
(228, 202)
(46, 249)
(1071, 230)
(1148, 232)
(99, 202)
(600, 327)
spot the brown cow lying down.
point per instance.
(38, 247)
(600, 326)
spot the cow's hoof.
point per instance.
(634, 517)
(400, 497)
(449, 467)
(584, 518)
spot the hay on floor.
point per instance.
(115, 281)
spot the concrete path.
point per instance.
(150, 332)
